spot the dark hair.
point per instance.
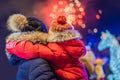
(35, 24)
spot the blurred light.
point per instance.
(80, 16)
(60, 2)
(66, 9)
(60, 10)
(69, 22)
(55, 7)
(81, 9)
(71, 5)
(76, 1)
(97, 16)
(83, 13)
(78, 4)
(74, 22)
(100, 11)
(70, 8)
(95, 30)
(53, 15)
(80, 22)
(118, 38)
(83, 25)
(73, 10)
(71, 17)
(89, 31)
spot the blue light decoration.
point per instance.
(109, 41)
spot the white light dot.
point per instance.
(95, 30)
(83, 26)
(76, 1)
(100, 11)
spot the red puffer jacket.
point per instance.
(63, 56)
(62, 51)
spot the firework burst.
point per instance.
(72, 9)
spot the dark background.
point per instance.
(110, 19)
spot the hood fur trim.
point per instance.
(35, 37)
(63, 36)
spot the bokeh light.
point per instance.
(72, 9)
(97, 16)
(95, 30)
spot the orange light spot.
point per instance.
(80, 22)
(81, 9)
(97, 16)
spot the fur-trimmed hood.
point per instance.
(34, 36)
(63, 36)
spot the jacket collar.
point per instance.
(63, 36)
(34, 36)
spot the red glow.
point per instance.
(83, 13)
(80, 16)
(80, 22)
(98, 16)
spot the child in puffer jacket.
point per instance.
(33, 69)
(62, 50)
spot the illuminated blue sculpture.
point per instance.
(109, 41)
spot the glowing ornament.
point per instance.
(109, 41)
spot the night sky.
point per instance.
(110, 19)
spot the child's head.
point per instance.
(60, 24)
(18, 22)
